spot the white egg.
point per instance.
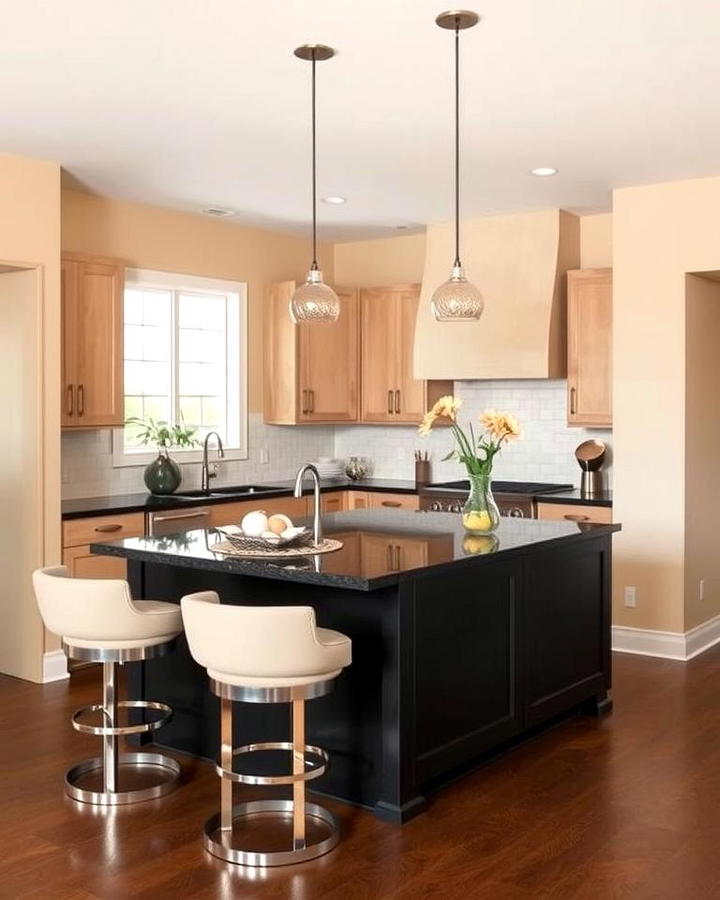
(254, 523)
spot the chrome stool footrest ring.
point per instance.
(219, 842)
(162, 770)
(141, 728)
(313, 769)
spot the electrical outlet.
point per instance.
(264, 455)
(630, 597)
(701, 591)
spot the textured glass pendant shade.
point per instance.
(457, 300)
(314, 301)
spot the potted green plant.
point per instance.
(163, 475)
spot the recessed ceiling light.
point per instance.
(544, 170)
(334, 201)
(218, 212)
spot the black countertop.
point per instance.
(129, 503)
(604, 498)
(349, 568)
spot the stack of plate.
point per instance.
(329, 468)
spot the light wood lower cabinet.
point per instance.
(382, 500)
(384, 553)
(332, 502)
(78, 534)
(232, 513)
(358, 500)
(575, 512)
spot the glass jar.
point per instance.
(480, 514)
(356, 468)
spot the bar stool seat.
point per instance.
(266, 655)
(98, 621)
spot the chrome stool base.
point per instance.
(220, 842)
(162, 771)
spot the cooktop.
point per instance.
(505, 487)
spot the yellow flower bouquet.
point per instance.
(480, 513)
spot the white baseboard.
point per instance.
(54, 666)
(667, 644)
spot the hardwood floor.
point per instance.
(625, 806)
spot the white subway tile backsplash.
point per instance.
(545, 452)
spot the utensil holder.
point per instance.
(422, 471)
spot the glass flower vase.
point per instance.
(480, 514)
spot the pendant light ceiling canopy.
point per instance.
(314, 301)
(457, 300)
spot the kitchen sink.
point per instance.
(242, 490)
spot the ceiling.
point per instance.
(190, 104)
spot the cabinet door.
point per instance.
(68, 294)
(590, 347)
(411, 396)
(378, 329)
(358, 500)
(376, 555)
(98, 344)
(84, 564)
(329, 365)
(333, 503)
(410, 554)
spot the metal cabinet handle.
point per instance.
(188, 515)
(104, 529)
(390, 402)
(390, 503)
(397, 557)
(311, 395)
(305, 402)
(397, 401)
(389, 557)
(81, 399)
(573, 408)
(577, 518)
(70, 399)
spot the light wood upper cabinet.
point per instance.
(590, 347)
(389, 392)
(92, 321)
(310, 371)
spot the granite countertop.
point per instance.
(143, 502)
(447, 544)
(603, 498)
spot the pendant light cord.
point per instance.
(457, 146)
(314, 265)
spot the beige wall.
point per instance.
(149, 237)
(395, 260)
(660, 232)
(30, 238)
(702, 440)
(596, 241)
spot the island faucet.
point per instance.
(206, 473)
(313, 472)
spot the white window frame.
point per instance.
(177, 282)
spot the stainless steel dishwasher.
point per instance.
(175, 521)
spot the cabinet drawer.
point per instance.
(575, 512)
(358, 500)
(378, 500)
(232, 513)
(335, 501)
(102, 528)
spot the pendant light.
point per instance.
(457, 300)
(314, 301)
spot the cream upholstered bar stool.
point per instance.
(271, 654)
(98, 621)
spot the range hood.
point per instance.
(519, 264)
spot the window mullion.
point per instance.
(175, 357)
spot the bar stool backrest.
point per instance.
(254, 641)
(91, 609)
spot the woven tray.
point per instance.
(329, 545)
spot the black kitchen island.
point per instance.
(461, 645)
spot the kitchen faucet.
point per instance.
(206, 473)
(317, 525)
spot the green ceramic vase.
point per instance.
(163, 475)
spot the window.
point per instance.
(185, 360)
